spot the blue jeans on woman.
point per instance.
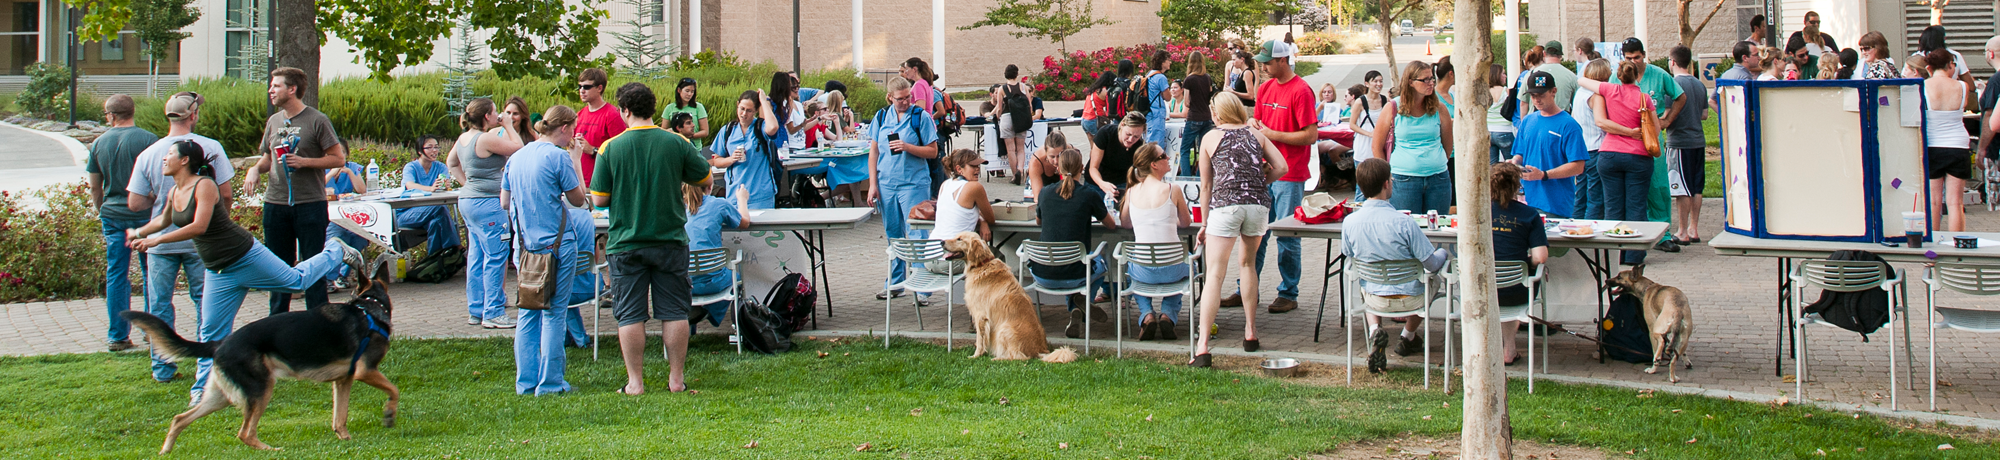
(1096, 276)
(259, 268)
(1191, 134)
(1626, 180)
(1421, 194)
(485, 257)
(1090, 128)
(1500, 146)
(1171, 306)
(1589, 191)
(161, 271)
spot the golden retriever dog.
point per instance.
(1002, 313)
(1669, 319)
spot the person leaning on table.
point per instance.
(898, 168)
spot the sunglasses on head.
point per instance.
(687, 80)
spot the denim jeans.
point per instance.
(435, 222)
(1500, 146)
(894, 204)
(486, 257)
(161, 270)
(1171, 306)
(336, 232)
(1191, 134)
(1090, 128)
(223, 293)
(1423, 194)
(295, 232)
(539, 358)
(1285, 196)
(117, 276)
(1156, 128)
(1096, 275)
(1589, 190)
(1627, 178)
(711, 284)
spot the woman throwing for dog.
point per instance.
(235, 261)
(1237, 164)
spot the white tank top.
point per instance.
(1946, 128)
(1157, 225)
(1364, 132)
(953, 219)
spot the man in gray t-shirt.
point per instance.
(1686, 148)
(299, 145)
(147, 193)
(109, 167)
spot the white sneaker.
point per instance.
(501, 322)
(194, 397)
(472, 320)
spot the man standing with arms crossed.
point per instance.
(597, 121)
(639, 176)
(166, 261)
(299, 145)
(1285, 114)
(109, 168)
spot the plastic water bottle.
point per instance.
(374, 175)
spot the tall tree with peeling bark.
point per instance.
(1487, 433)
(1390, 10)
(1688, 33)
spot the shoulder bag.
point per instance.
(538, 271)
(1649, 130)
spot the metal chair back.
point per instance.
(1388, 271)
(707, 261)
(1844, 275)
(917, 250)
(1969, 279)
(1510, 273)
(1152, 254)
(1049, 253)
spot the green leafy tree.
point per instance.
(541, 38)
(1207, 21)
(1052, 20)
(102, 19)
(463, 69)
(645, 55)
(158, 24)
(387, 33)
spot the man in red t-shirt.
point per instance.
(596, 122)
(1285, 113)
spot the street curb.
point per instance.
(1340, 360)
(77, 150)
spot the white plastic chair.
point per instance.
(1843, 276)
(1156, 255)
(708, 261)
(1399, 272)
(1510, 273)
(918, 280)
(1050, 254)
(1969, 279)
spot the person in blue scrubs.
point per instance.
(426, 173)
(904, 141)
(539, 188)
(748, 149)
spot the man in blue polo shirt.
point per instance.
(1549, 147)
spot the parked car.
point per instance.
(1409, 28)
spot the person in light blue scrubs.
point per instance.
(904, 141)
(748, 149)
(424, 174)
(539, 188)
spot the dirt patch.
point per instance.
(1425, 447)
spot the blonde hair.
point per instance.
(1070, 164)
(1829, 66)
(834, 101)
(1142, 162)
(1597, 69)
(898, 84)
(555, 119)
(1228, 109)
(693, 194)
(1197, 63)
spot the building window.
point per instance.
(20, 35)
(245, 48)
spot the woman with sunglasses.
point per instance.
(1875, 61)
(685, 101)
(1422, 142)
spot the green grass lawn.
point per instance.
(913, 401)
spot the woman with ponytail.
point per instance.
(540, 188)
(235, 262)
(1156, 211)
(1065, 209)
(707, 216)
(477, 159)
(1517, 236)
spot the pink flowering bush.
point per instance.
(1067, 77)
(56, 252)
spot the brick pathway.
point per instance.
(1733, 300)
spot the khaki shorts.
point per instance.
(1394, 303)
(1239, 220)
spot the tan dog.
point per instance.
(1669, 319)
(1002, 313)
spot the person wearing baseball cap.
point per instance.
(1552, 58)
(166, 262)
(1285, 112)
(1549, 148)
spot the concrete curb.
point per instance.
(77, 150)
(1341, 360)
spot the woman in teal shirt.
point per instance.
(1422, 131)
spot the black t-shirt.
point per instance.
(1199, 89)
(1117, 157)
(1066, 220)
(1517, 228)
(1987, 99)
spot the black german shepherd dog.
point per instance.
(338, 342)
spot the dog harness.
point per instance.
(373, 329)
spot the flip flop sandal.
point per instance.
(621, 390)
(1203, 360)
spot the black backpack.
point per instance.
(440, 265)
(1860, 311)
(792, 299)
(1019, 109)
(1624, 332)
(762, 330)
(1509, 108)
(1120, 87)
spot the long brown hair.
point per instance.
(1506, 183)
(1197, 63)
(521, 125)
(1142, 162)
(693, 194)
(475, 114)
(1425, 104)
(961, 158)
(1070, 164)
(555, 119)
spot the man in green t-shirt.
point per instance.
(1659, 84)
(638, 176)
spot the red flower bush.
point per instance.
(1066, 77)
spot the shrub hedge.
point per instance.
(54, 250)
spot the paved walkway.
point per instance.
(30, 160)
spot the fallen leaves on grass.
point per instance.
(751, 445)
(1062, 445)
(863, 447)
(917, 412)
(1427, 417)
(1945, 447)
(1003, 401)
(1149, 417)
(822, 354)
(1693, 440)
(1819, 452)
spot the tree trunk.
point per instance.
(1487, 433)
(1387, 18)
(298, 43)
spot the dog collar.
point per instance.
(373, 328)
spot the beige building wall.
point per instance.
(895, 30)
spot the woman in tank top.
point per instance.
(962, 205)
(478, 159)
(235, 262)
(1421, 148)
(1237, 165)
(1042, 166)
(1367, 107)
(1946, 143)
(1156, 211)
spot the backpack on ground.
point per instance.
(1019, 109)
(792, 299)
(762, 330)
(949, 117)
(1624, 332)
(1860, 311)
(438, 266)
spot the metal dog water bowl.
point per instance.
(1280, 367)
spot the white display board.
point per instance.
(1811, 159)
(1832, 160)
